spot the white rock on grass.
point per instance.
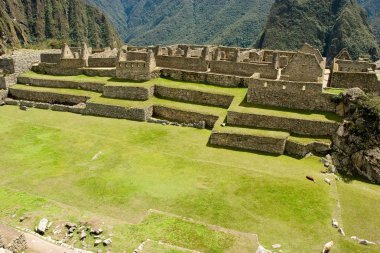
(341, 231)
(42, 226)
(335, 223)
(261, 249)
(327, 247)
(276, 246)
(107, 242)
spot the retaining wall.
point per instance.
(194, 96)
(248, 142)
(118, 112)
(90, 86)
(296, 126)
(46, 97)
(297, 149)
(181, 116)
(51, 58)
(128, 92)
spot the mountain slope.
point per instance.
(23, 22)
(228, 22)
(372, 8)
(329, 25)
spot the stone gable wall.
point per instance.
(353, 66)
(303, 67)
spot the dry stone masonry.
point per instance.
(296, 83)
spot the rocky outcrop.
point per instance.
(356, 149)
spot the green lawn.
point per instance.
(47, 170)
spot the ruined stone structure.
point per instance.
(347, 73)
(273, 81)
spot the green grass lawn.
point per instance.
(47, 170)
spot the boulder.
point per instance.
(97, 242)
(42, 226)
(83, 235)
(335, 223)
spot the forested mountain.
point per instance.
(24, 22)
(372, 8)
(240, 22)
(228, 22)
(329, 25)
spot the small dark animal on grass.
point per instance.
(310, 178)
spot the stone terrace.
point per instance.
(256, 100)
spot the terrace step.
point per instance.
(292, 122)
(69, 82)
(267, 141)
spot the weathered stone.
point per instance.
(97, 242)
(83, 235)
(261, 249)
(341, 231)
(276, 246)
(327, 247)
(42, 226)
(335, 223)
(107, 242)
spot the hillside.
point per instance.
(329, 25)
(24, 22)
(372, 8)
(228, 22)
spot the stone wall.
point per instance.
(128, 92)
(369, 82)
(291, 125)
(304, 67)
(7, 65)
(118, 112)
(54, 69)
(243, 69)
(102, 62)
(300, 150)
(352, 66)
(90, 86)
(178, 62)
(18, 244)
(193, 96)
(182, 116)
(51, 58)
(288, 94)
(210, 78)
(46, 97)
(248, 142)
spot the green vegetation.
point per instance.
(328, 25)
(372, 8)
(24, 23)
(143, 166)
(226, 22)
